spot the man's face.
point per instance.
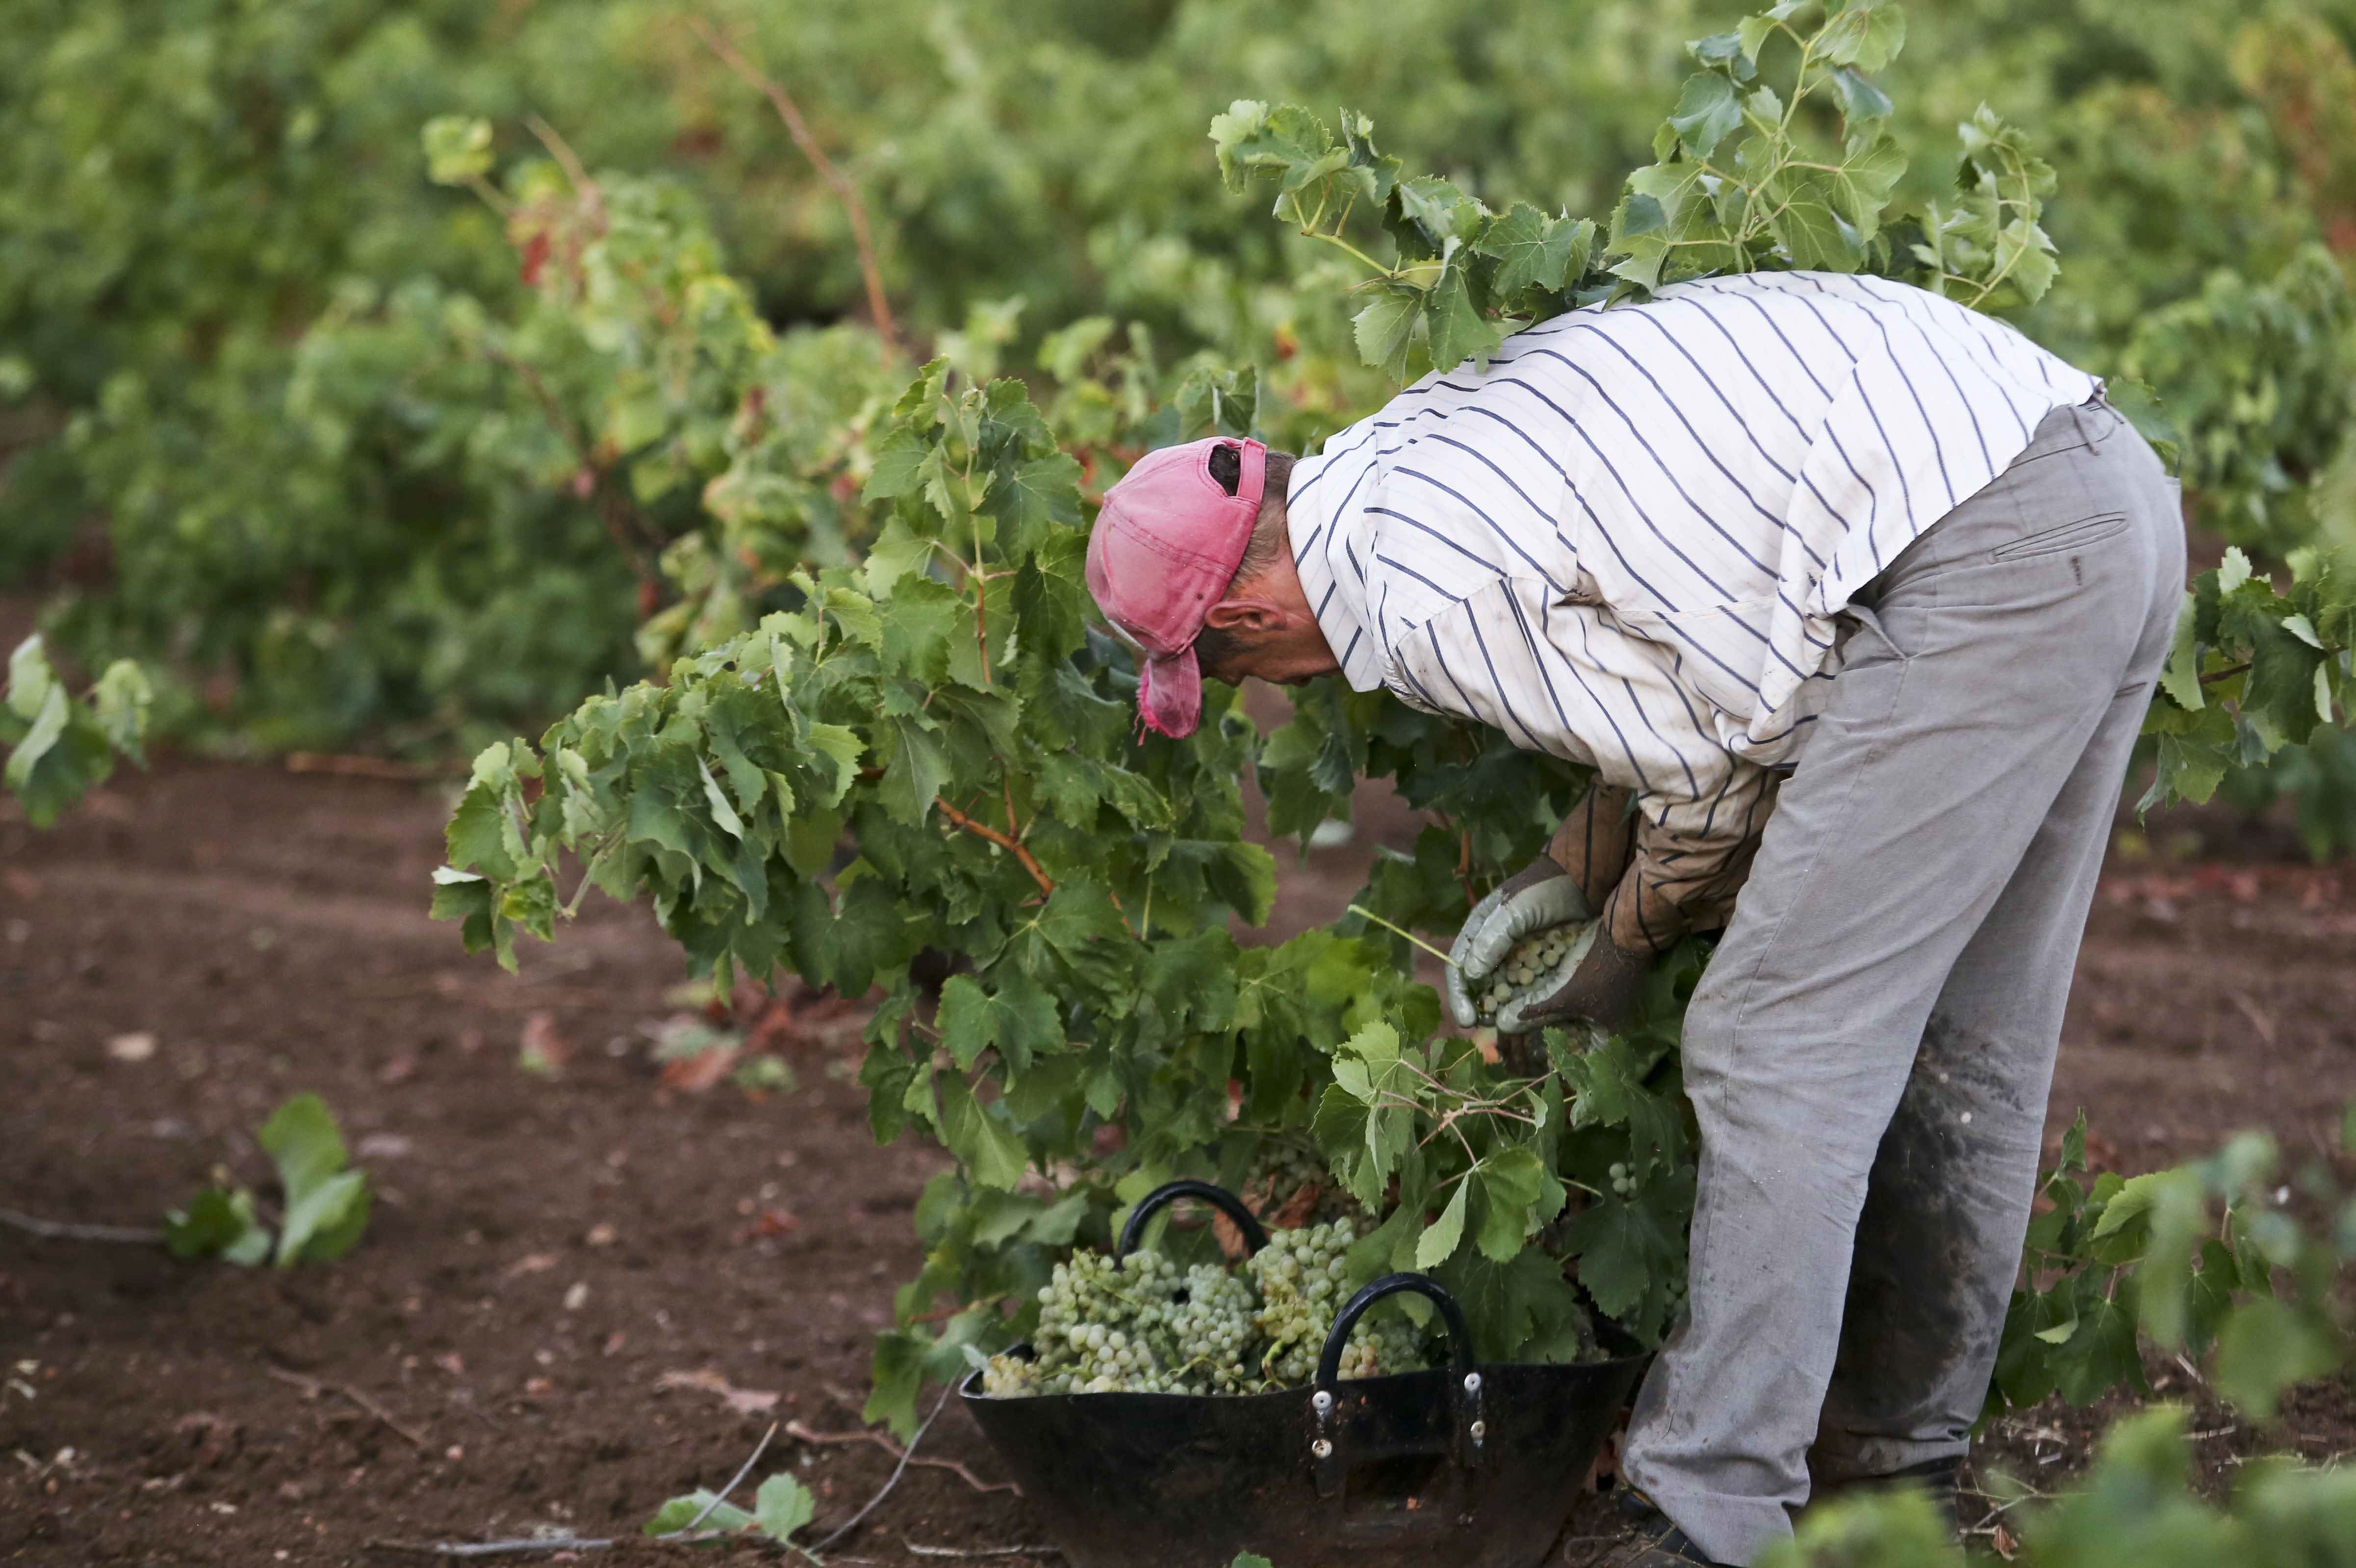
(1278, 658)
(1265, 628)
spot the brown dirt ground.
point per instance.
(546, 1249)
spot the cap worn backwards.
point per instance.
(1166, 544)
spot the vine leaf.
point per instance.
(1386, 328)
(1441, 1238)
(1535, 250)
(1019, 1020)
(326, 1205)
(1707, 113)
(1511, 1182)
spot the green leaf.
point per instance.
(1511, 1182)
(1456, 330)
(898, 465)
(1724, 50)
(895, 1374)
(2181, 676)
(913, 779)
(783, 1506)
(1385, 328)
(2268, 1345)
(48, 724)
(1440, 211)
(1750, 35)
(1640, 239)
(1809, 227)
(1535, 251)
(1867, 35)
(326, 1205)
(896, 552)
(457, 149)
(680, 1512)
(30, 679)
(990, 1150)
(1509, 1305)
(1020, 1021)
(121, 701)
(1439, 1238)
(842, 749)
(219, 1222)
(723, 814)
(1042, 491)
(1861, 100)
(1707, 113)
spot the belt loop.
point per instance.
(2097, 420)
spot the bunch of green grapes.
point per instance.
(1100, 1322)
(1302, 1286)
(1212, 1330)
(1538, 962)
(1382, 1345)
(1139, 1325)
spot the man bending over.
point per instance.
(1853, 598)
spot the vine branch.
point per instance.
(1003, 841)
(878, 306)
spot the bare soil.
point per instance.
(568, 1270)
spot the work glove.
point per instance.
(1564, 885)
(1541, 895)
(1600, 988)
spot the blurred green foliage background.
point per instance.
(329, 445)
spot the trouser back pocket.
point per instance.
(2069, 536)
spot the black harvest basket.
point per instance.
(1475, 1466)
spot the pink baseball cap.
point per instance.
(1166, 544)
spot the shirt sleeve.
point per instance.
(1688, 869)
(1566, 678)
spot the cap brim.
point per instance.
(1170, 693)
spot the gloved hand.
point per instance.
(1540, 894)
(1591, 848)
(1600, 988)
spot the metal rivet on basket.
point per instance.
(1472, 1382)
(1322, 1449)
(1324, 1403)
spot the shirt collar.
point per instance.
(1333, 549)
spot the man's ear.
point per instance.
(1247, 615)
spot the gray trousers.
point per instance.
(1870, 1052)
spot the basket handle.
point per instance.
(1469, 1431)
(1219, 1197)
(1459, 1334)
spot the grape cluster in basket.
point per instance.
(1534, 963)
(1142, 1326)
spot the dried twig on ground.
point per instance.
(492, 1547)
(532, 1543)
(878, 305)
(898, 1471)
(315, 1387)
(955, 1467)
(71, 1230)
(916, 1550)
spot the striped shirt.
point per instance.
(1624, 542)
